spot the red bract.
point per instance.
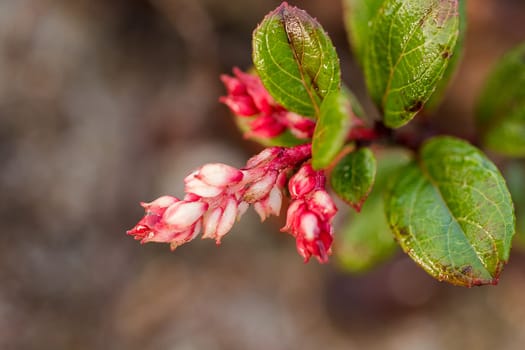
(247, 97)
(309, 217)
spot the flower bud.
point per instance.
(211, 179)
(301, 127)
(261, 188)
(200, 188)
(323, 205)
(266, 127)
(227, 219)
(183, 237)
(240, 105)
(294, 212)
(182, 215)
(256, 90)
(263, 158)
(220, 220)
(302, 182)
(309, 217)
(270, 205)
(151, 226)
(219, 175)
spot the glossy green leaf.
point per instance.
(452, 213)
(295, 60)
(408, 51)
(353, 177)
(366, 240)
(455, 59)
(358, 18)
(501, 109)
(331, 129)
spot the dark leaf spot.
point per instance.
(403, 231)
(467, 270)
(415, 106)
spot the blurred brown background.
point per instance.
(104, 103)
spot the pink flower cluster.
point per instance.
(310, 215)
(247, 97)
(217, 195)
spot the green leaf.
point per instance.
(455, 58)
(353, 177)
(358, 16)
(295, 60)
(408, 51)
(331, 129)
(366, 240)
(501, 108)
(452, 213)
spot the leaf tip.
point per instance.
(357, 206)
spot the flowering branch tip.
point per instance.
(217, 195)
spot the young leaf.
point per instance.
(366, 240)
(408, 52)
(295, 60)
(501, 109)
(353, 177)
(358, 16)
(331, 129)
(452, 213)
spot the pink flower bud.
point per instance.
(323, 205)
(261, 97)
(241, 209)
(182, 215)
(159, 204)
(211, 221)
(309, 217)
(263, 158)
(319, 246)
(266, 126)
(239, 98)
(313, 235)
(270, 205)
(249, 98)
(302, 182)
(294, 212)
(233, 85)
(200, 188)
(211, 179)
(308, 226)
(240, 105)
(220, 220)
(246, 94)
(183, 237)
(218, 174)
(148, 227)
(227, 219)
(301, 127)
(261, 188)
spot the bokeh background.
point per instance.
(104, 103)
